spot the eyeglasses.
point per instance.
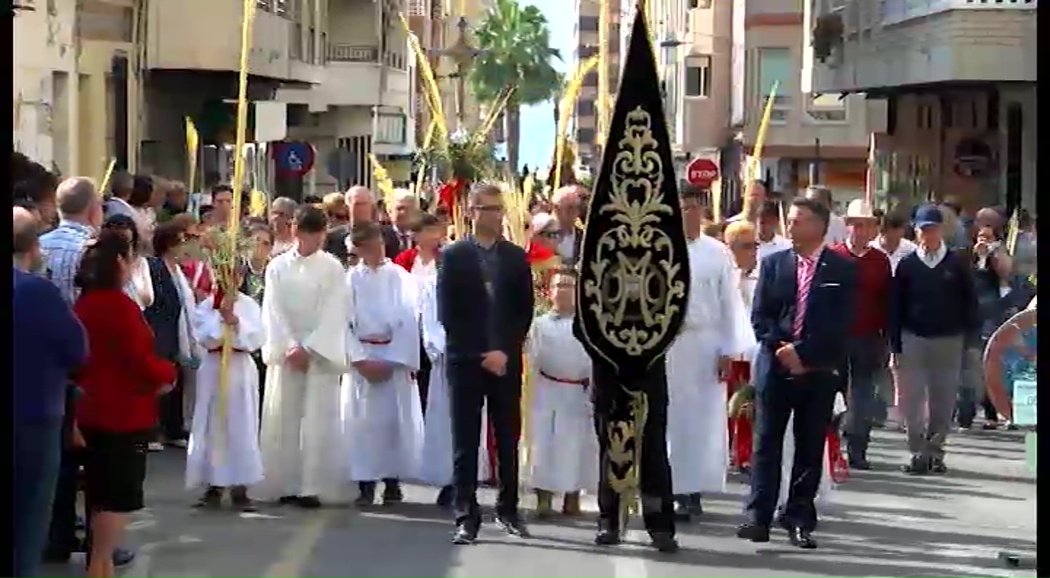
(339, 216)
(745, 245)
(488, 208)
(549, 234)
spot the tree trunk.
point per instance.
(513, 117)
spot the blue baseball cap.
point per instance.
(927, 215)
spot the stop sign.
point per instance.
(701, 172)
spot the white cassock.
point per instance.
(305, 304)
(383, 421)
(224, 449)
(563, 452)
(436, 464)
(697, 436)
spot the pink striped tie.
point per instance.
(805, 279)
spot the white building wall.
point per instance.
(45, 85)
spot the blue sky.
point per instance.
(537, 122)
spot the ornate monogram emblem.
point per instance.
(636, 284)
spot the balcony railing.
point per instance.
(369, 54)
(896, 11)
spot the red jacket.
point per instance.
(122, 375)
(873, 290)
(406, 258)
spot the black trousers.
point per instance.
(471, 386)
(62, 537)
(655, 468)
(172, 425)
(810, 398)
(423, 376)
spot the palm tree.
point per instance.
(514, 51)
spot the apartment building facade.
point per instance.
(340, 69)
(958, 78)
(811, 133)
(73, 84)
(587, 41)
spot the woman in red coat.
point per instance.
(117, 410)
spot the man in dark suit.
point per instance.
(485, 303)
(801, 317)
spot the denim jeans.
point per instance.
(971, 387)
(37, 456)
(865, 361)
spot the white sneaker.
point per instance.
(155, 447)
(178, 443)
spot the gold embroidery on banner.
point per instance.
(633, 296)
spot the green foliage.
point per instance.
(515, 50)
(464, 157)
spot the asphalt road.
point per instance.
(881, 524)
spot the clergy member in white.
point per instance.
(563, 447)
(697, 436)
(224, 440)
(436, 464)
(305, 317)
(381, 407)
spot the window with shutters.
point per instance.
(280, 7)
(698, 76)
(775, 67)
(266, 5)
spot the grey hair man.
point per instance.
(282, 211)
(80, 212)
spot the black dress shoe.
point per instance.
(445, 497)
(917, 466)
(753, 533)
(366, 494)
(309, 502)
(288, 500)
(466, 533)
(607, 537)
(513, 525)
(799, 538)
(56, 555)
(664, 542)
(859, 464)
(937, 466)
(392, 493)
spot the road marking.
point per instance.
(297, 552)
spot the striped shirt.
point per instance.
(62, 248)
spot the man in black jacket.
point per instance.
(485, 303)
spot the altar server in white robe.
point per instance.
(436, 464)
(381, 407)
(224, 440)
(563, 447)
(305, 318)
(697, 436)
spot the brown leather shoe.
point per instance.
(570, 505)
(544, 504)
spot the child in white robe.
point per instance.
(224, 447)
(563, 445)
(383, 416)
(436, 464)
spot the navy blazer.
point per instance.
(164, 313)
(829, 312)
(463, 302)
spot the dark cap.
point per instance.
(927, 215)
